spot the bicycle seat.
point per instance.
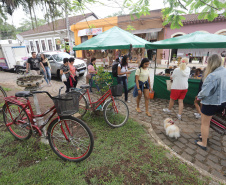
(23, 94)
(84, 86)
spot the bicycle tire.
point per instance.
(21, 129)
(110, 115)
(83, 134)
(2, 96)
(83, 106)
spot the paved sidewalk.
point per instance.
(213, 160)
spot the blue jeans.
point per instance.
(123, 80)
(91, 82)
(47, 75)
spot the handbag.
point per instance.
(63, 77)
(168, 84)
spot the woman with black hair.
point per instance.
(65, 69)
(122, 75)
(91, 73)
(142, 85)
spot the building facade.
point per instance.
(51, 36)
(193, 24)
(82, 31)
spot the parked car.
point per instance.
(56, 60)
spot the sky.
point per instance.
(100, 11)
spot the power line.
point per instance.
(98, 16)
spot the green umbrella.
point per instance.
(190, 41)
(114, 38)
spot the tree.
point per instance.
(172, 14)
(27, 24)
(7, 31)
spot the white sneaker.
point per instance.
(127, 101)
(166, 111)
(179, 116)
(197, 116)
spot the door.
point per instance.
(10, 60)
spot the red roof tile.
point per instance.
(58, 24)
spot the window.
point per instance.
(32, 46)
(37, 45)
(43, 45)
(50, 45)
(60, 56)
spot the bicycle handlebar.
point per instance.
(39, 92)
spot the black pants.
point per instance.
(67, 83)
(123, 80)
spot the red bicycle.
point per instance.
(116, 112)
(69, 137)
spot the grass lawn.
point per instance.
(121, 156)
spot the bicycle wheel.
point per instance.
(2, 96)
(116, 113)
(21, 128)
(83, 106)
(79, 144)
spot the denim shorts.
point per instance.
(211, 110)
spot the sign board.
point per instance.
(93, 31)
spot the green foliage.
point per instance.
(102, 77)
(7, 31)
(130, 28)
(26, 24)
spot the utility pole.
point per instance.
(68, 29)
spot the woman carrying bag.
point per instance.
(143, 84)
(47, 72)
(122, 75)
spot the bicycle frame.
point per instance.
(28, 109)
(101, 100)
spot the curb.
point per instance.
(161, 143)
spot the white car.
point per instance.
(56, 60)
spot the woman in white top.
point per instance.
(122, 75)
(179, 87)
(142, 84)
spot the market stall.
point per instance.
(190, 41)
(113, 43)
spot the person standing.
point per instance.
(143, 84)
(47, 73)
(122, 75)
(65, 69)
(92, 72)
(73, 78)
(34, 64)
(212, 96)
(179, 87)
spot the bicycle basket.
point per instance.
(117, 90)
(67, 104)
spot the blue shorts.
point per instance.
(211, 110)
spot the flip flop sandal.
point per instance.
(199, 136)
(148, 114)
(138, 110)
(202, 147)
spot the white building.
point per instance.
(49, 37)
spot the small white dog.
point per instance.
(172, 130)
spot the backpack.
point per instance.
(115, 70)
